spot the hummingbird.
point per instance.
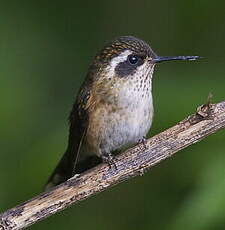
(113, 108)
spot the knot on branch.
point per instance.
(204, 112)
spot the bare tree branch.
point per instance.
(208, 119)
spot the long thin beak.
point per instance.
(172, 58)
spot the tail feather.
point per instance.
(72, 162)
(61, 173)
(65, 169)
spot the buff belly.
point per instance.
(112, 128)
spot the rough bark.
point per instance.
(208, 119)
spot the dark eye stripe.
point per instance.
(129, 66)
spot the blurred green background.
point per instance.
(45, 50)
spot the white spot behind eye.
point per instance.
(115, 61)
(121, 58)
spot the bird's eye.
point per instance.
(133, 59)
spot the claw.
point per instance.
(143, 142)
(109, 159)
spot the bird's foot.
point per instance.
(109, 159)
(143, 142)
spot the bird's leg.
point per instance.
(109, 159)
(143, 142)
